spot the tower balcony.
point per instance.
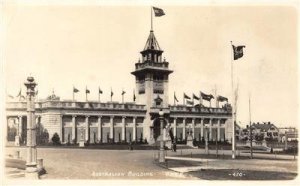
(150, 66)
(149, 63)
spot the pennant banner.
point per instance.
(186, 96)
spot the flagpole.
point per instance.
(85, 93)
(233, 109)
(151, 18)
(122, 96)
(174, 98)
(99, 95)
(250, 130)
(73, 95)
(110, 94)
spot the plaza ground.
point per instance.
(75, 163)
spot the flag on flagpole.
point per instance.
(189, 102)
(195, 97)
(134, 98)
(186, 96)
(10, 96)
(175, 98)
(221, 98)
(206, 97)
(238, 51)
(123, 92)
(111, 93)
(19, 94)
(75, 90)
(87, 91)
(158, 12)
(100, 91)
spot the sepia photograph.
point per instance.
(147, 90)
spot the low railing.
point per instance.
(76, 105)
(152, 64)
(182, 108)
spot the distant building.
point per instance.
(290, 132)
(261, 131)
(100, 122)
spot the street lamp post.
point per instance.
(31, 161)
(162, 148)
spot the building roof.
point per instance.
(151, 43)
(263, 126)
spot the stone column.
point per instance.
(175, 127)
(61, 128)
(74, 128)
(31, 161)
(20, 126)
(183, 129)
(202, 128)
(87, 128)
(210, 129)
(111, 133)
(193, 128)
(219, 130)
(99, 129)
(134, 129)
(123, 128)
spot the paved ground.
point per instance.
(68, 163)
(64, 163)
(262, 167)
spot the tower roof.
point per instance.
(151, 43)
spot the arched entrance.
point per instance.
(156, 128)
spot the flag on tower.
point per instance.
(158, 12)
(238, 51)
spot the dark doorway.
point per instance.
(156, 129)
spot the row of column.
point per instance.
(20, 123)
(99, 127)
(202, 128)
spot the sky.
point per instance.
(66, 45)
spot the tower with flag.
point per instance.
(108, 121)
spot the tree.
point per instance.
(55, 139)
